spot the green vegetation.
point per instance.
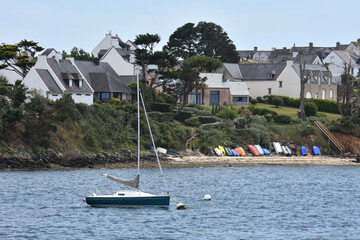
(293, 112)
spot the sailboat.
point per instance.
(132, 198)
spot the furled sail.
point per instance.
(131, 183)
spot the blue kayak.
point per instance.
(266, 152)
(234, 153)
(303, 151)
(316, 150)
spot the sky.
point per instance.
(63, 24)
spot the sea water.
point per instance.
(261, 202)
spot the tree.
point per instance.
(19, 57)
(345, 91)
(304, 77)
(78, 54)
(277, 101)
(203, 63)
(183, 42)
(205, 39)
(146, 43)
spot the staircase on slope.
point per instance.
(330, 136)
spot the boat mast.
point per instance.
(138, 113)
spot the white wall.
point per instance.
(118, 63)
(11, 76)
(290, 84)
(83, 98)
(33, 81)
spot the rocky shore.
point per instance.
(51, 160)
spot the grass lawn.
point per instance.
(292, 111)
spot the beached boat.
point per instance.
(237, 150)
(259, 149)
(132, 198)
(266, 152)
(243, 154)
(218, 152)
(228, 152)
(286, 151)
(316, 150)
(277, 147)
(303, 151)
(253, 150)
(235, 154)
(222, 150)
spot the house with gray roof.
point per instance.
(279, 79)
(85, 81)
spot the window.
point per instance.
(87, 94)
(269, 91)
(323, 94)
(280, 84)
(270, 76)
(352, 70)
(239, 99)
(55, 95)
(331, 94)
(332, 59)
(195, 98)
(103, 96)
(308, 95)
(79, 94)
(214, 97)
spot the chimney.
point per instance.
(273, 49)
(284, 48)
(311, 44)
(337, 44)
(255, 49)
(58, 56)
(71, 59)
(358, 45)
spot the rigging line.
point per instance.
(152, 139)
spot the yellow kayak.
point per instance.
(242, 151)
(222, 150)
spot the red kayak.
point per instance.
(238, 151)
(253, 150)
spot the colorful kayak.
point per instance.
(316, 150)
(259, 149)
(266, 152)
(277, 147)
(222, 150)
(243, 154)
(235, 154)
(253, 150)
(238, 151)
(304, 151)
(228, 152)
(218, 152)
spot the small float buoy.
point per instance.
(207, 197)
(180, 206)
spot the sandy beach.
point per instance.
(206, 161)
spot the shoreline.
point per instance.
(206, 161)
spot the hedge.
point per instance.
(208, 119)
(261, 111)
(324, 105)
(282, 119)
(182, 116)
(160, 107)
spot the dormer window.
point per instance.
(270, 76)
(80, 83)
(70, 83)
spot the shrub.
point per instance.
(282, 119)
(262, 111)
(240, 122)
(208, 119)
(259, 99)
(166, 117)
(277, 101)
(154, 115)
(269, 117)
(259, 120)
(321, 115)
(310, 109)
(182, 116)
(114, 101)
(253, 101)
(296, 120)
(211, 126)
(192, 122)
(203, 113)
(160, 107)
(193, 105)
(226, 114)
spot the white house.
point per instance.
(337, 60)
(280, 79)
(53, 77)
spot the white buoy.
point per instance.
(180, 206)
(207, 197)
